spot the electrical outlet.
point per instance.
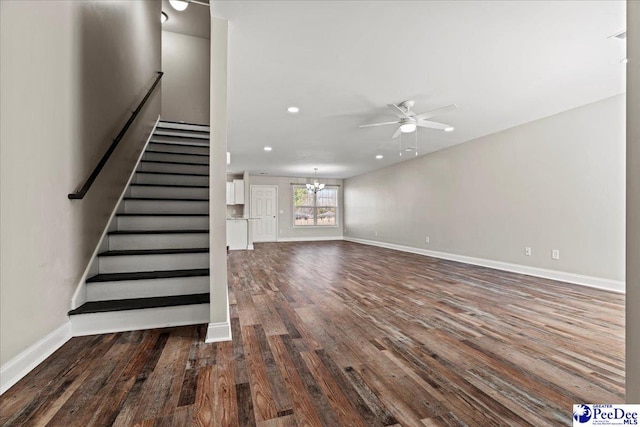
(555, 253)
(427, 239)
(527, 251)
(375, 234)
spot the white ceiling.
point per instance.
(503, 62)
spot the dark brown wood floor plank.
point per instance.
(304, 409)
(225, 408)
(88, 397)
(345, 412)
(260, 392)
(279, 392)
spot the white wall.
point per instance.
(219, 327)
(286, 230)
(71, 73)
(555, 183)
(185, 85)
(633, 203)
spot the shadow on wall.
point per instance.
(118, 56)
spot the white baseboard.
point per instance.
(15, 369)
(217, 332)
(309, 239)
(578, 279)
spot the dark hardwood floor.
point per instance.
(341, 334)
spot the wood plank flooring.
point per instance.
(341, 334)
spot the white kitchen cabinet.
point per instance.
(230, 194)
(238, 191)
(237, 234)
(235, 192)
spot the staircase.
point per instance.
(153, 268)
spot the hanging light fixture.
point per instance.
(179, 5)
(405, 145)
(316, 186)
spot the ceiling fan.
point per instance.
(408, 120)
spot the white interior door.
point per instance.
(264, 208)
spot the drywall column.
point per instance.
(219, 326)
(633, 203)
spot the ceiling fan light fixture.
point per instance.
(408, 127)
(449, 129)
(179, 5)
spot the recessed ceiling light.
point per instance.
(449, 129)
(163, 18)
(293, 109)
(268, 148)
(379, 156)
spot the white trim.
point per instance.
(80, 295)
(217, 332)
(314, 207)
(15, 369)
(308, 239)
(577, 279)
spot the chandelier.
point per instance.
(316, 186)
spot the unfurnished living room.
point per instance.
(319, 213)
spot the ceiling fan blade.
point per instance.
(397, 134)
(398, 111)
(379, 124)
(436, 112)
(432, 125)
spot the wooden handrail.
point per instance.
(96, 171)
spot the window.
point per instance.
(319, 209)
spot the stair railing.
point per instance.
(96, 171)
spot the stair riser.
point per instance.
(169, 192)
(166, 126)
(166, 206)
(144, 178)
(176, 148)
(173, 168)
(184, 141)
(124, 289)
(162, 223)
(175, 157)
(158, 241)
(137, 263)
(133, 320)
(181, 133)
